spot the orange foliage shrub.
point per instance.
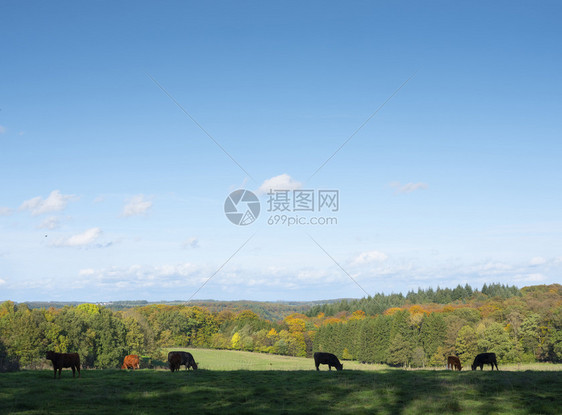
(417, 309)
(358, 315)
(391, 311)
(488, 309)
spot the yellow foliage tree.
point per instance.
(272, 334)
(391, 311)
(295, 324)
(247, 315)
(358, 315)
(235, 341)
(417, 309)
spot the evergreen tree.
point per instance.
(401, 340)
(433, 332)
(381, 339)
(399, 351)
(366, 332)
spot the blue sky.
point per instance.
(110, 191)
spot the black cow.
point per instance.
(485, 358)
(61, 360)
(186, 359)
(329, 359)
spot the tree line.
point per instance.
(381, 302)
(414, 330)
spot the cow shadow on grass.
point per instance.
(379, 392)
(280, 392)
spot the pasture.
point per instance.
(236, 360)
(238, 382)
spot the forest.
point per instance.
(419, 329)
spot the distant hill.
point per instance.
(277, 310)
(269, 310)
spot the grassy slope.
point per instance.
(235, 360)
(280, 387)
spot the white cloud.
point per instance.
(537, 260)
(51, 222)
(2, 282)
(313, 275)
(82, 239)
(535, 277)
(189, 277)
(408, 187)
(397, 273)
(53, 203)
(137, 205)
(492, 267)
(368, 257)
(2, 129)
(281, 182)
(191, 243)
(136, 276)
(5, 211)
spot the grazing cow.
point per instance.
(186, 359)
(174, 359)
(131, 361)
(61, 360)
(453, 362)
(329, 359)
(485, 358)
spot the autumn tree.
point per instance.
(235, 342)
(496, 340)
(466, 346)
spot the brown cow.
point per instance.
(131, 361)
(174, 360)
(61, 360)
(453, 362)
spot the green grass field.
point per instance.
(237, 382)
(235, 360)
